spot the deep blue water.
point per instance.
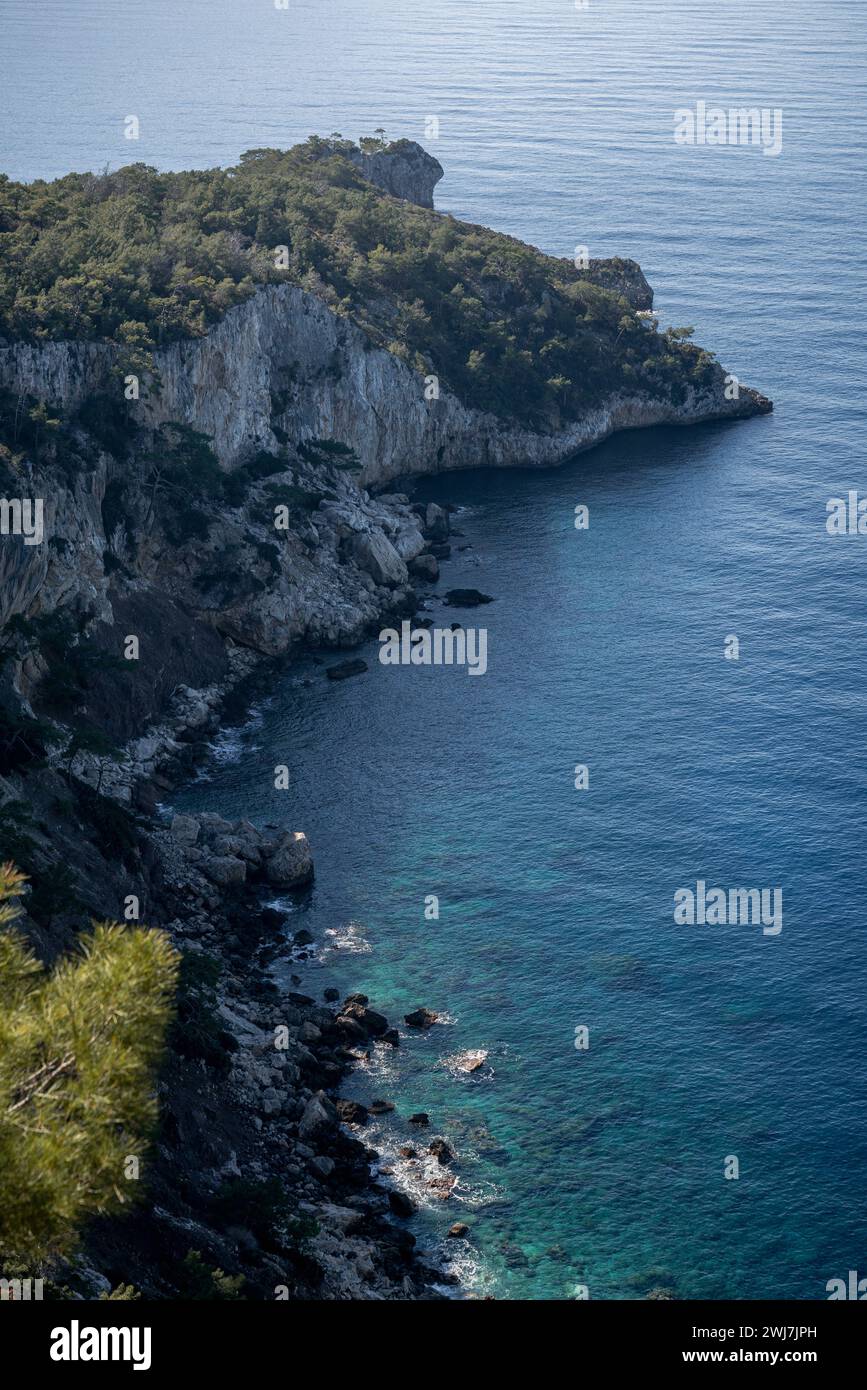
(605, 646)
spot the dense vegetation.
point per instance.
(140, 258)
(78, 1051)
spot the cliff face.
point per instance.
(404, 170)
(285, 359)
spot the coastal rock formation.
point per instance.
(403, 168)
(284, 359)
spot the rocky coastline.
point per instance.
(250, 1092)
(196, 539)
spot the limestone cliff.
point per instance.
(284, 359)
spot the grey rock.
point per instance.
(376, 555)
(425, 567)
(436, 522)
(319, 1115)
(290, 862)
(185, 829)
(224, 870)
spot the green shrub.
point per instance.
(78, 1050)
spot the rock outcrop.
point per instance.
(404, 169)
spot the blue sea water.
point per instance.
(606, 1167)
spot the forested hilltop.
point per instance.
(142, 259)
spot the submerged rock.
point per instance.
(381, 1107)
(467, 1061)
(467, 598)
(442, 1187)
(344, 669)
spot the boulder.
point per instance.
(340, 1218)
(381, 1107)
(352, 1112)
(425, 567)
(372, 1022)
(421, 1117)
(224, 870)
(376, 555)
(237, 847)
(441, 1151)
(400, 1204)
(459, 1229)
(185, 829)
(270, 1102)
(420, 1018)
(290, 862)
(350, 1028)
(436, 522)
(319, 1115)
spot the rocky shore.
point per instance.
(260, 1174)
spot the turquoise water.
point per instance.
(602, 1168)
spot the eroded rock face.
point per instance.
(403, 169)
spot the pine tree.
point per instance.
(79, 1047)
